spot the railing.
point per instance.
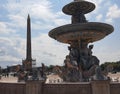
(12, 88)
(67, 88)
(115, 88)
(41, 88)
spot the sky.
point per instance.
(46, 15)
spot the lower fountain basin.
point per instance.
(91, 31)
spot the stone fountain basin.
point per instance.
(91, 31)
(82, 5)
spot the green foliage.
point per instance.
(50, 68)
(114, 65)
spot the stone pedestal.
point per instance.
(34, 87)
(100, 87)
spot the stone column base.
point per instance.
(34, 87)
(100, 87)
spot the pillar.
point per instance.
(34, 87)
(100, 87)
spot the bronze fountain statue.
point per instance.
(80, 64)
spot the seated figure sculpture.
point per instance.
(88, 62)
(88, 59)
(72, 73)
(80, 64)
(98, 75)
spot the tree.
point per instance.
(115, 66)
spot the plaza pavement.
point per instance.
(11, 79)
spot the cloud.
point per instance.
(101, 7)
(8, 58)
(41, 12)
(99, 17)
(109, 20)
(11, 49)
(107, 56)
(98, 4)
(44, 48)
(17, 21)
(43, 19)
(48, 51)
(4, 28)
(113, 13)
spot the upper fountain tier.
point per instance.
(78, 6)
(80, 29)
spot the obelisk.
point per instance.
(27, 63)
(28, 49)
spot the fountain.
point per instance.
(80, 64)
(81, 73)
